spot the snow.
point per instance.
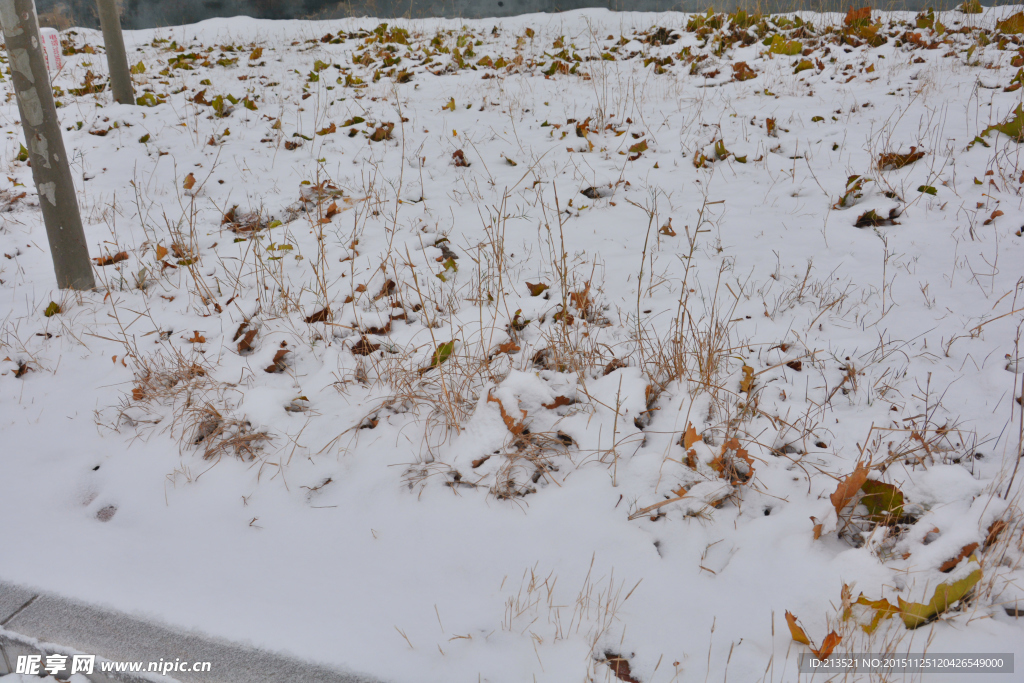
(456, 504)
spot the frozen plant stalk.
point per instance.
(45, 146)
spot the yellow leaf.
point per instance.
(747, 383)
(917, 614)
(883, 610)
(798, 633)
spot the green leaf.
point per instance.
(22, 153)
(883, 501)
(946, 594)
(139, 68)
(1012, 127)
(804, 65)
(1012, 24)
(353, 121)
(536, 289)
(443, 353)
(815, 119)
(781, 46)
(928, 189)
(144, 139)
(52, 310)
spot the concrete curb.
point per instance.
(31, 622)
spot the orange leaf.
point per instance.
(516, 428)
(950, 564)
(161, 251)
(690, 437)
(797, 632)
(197, 338)
(138, 394)
(831, 640)
(559, 401)
(848, 488)
(110, 260)
(817, 528)
(190, 182)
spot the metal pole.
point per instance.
(46, 146)
(117, 62)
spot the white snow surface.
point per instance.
(400, 549)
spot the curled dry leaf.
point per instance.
(892, 160)
(364, 347)
(245, 343)
(536, 289)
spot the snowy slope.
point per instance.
(324, 405)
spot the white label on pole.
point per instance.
(51, 48)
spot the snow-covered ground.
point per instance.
(417, 328)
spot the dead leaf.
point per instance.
(690, 436)
(323, 315)
(894, 160)
(667, 229)
(190, 182)
(747, 383)
(161, 252)
(278, 364)
(459, 158)
(516, 428)
(508, 347)
(950, 564)
(559, 401)
(817, 528)
(197, 338)
(536, 289)
(829, 644)
(726, 466)
(794, 629)
(847, 488)
(741, 71)
(364, 347)
(994, 529)
(110, 260)
(387, 289)
(245, 343)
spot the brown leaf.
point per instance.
(994, 529)
(508, 347)
(741, 71)
(667, 229)
(559, 401)
(110, 260)
(895, 161)
(197, 338)
(327, 130)
(323, 315)
(278, 364)
(795, 365)
(620, 667)
(138, 394)
(725, 464)
(536, 289)
(190, 182)
(289, 145)
(459, 158)
(382, 132)
(387, 289)
(161, 252)
(950, 564)
(797, 632)
(245, 344)
(858, 16)
(364, 347)
(847, 488)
